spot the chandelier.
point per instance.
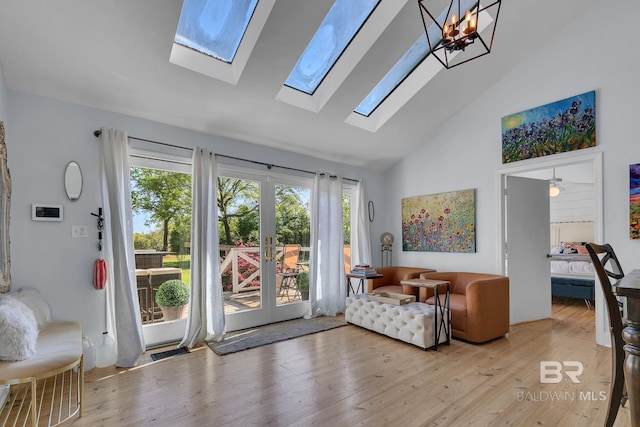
(455, 36)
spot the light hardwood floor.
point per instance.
(353, 377)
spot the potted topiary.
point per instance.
(303, 284)
(172, 296)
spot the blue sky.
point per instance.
(138, 224)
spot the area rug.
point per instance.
(169, 353)
(263, 335)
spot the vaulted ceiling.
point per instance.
(114, 55)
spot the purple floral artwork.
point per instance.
(634, 202)
(565, 125)
(444, 222)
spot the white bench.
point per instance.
(412, 323)
(53, 379)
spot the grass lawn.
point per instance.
(182, 262)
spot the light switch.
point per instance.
(79, 231)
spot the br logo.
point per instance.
(551, 371)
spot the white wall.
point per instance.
(4, 98)
(466, 152)
(44, 135)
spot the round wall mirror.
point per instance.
(73, 181)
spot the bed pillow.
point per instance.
(18, 330)
(574, 248)
(34, 299)
(582, 249)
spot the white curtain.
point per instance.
(123, 311)
(360, 236)
(206, 310)
(327, 286)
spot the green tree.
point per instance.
(293, 222)
(237, 199)
(180, 235)
(151, 240)
(346, 218)
(164, 195)
(247, 226)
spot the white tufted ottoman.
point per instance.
(412, 323)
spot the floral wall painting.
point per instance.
(565, 125)
(634, 202)
(444, 222)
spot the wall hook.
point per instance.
(100, 225)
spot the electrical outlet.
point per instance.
(79, 231)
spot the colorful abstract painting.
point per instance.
(634, 201)
(566, 125)
(444, 222)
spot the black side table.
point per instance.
(362, 278)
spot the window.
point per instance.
(339, 27)
(414, 56)
(405, 66)
(214, 28)
(161, 211)
(344, 37)
(401, 82)
(215, 38)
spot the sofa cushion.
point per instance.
(486, 297)
(18, 330)
(392, 276)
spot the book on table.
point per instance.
(364, 270)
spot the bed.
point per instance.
(572, 274)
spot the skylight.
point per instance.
(405, 66)
(409, 61)
(214, 28)
(216, 37)
(342, 23)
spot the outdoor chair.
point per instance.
(287, 272)
(601, 256)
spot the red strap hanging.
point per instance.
(99, 274)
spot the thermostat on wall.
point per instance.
(46, 212)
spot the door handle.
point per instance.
(269, 250)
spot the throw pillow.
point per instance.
(34, 299)
(18, 330)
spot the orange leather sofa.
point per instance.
(392, 278)
(479, 304)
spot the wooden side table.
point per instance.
(444, 309)
(629, 286)
(362, 278)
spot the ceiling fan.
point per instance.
(554, 185)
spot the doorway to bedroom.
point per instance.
(575, 216)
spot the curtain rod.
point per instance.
(97, 133)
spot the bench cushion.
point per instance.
(59, 345)
(412, 323)
(33, 299)
(18, 330)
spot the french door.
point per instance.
(264, 231)
(264, 237)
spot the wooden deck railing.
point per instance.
(230, 256)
